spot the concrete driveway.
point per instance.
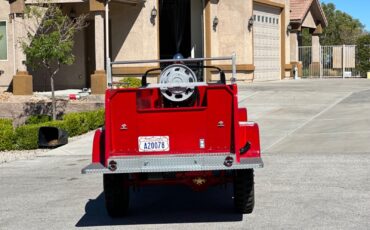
(316, 140)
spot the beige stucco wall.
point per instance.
(232, 34)
(69, 77)
(7, 65)
(309, 22)
(133, 36)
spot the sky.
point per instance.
(359, 9)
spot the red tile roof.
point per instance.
(300, 8)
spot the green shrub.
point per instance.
(363, 53)
(37, 119)
(95, 119)
(130, 82)
(7, 138)
(57, 124)
(4, 122)
(79, 123)
(76, 123)
(26, 136)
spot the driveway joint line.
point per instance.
(308, 121)
(326, 133)
(248, 97)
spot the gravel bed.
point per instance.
(8, 156)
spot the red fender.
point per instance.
(98, 147)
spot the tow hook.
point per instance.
(112, 166)
(229, 161)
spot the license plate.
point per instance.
(154, 144)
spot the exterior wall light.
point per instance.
(153, 15)
(11, 17)
(215, 23)
(289, 28)
(250, 23)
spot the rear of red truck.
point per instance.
(204, 142)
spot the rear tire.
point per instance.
(244, 191)
(116, 191)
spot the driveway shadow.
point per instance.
(166, 205)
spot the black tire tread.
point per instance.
(116, 194)
(244, 191)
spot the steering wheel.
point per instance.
(176, 79)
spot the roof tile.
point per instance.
(299, 9)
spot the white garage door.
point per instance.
(266, 38)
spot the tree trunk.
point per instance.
(53, 103)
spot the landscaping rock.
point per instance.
(8, 156)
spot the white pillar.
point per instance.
(99, 79)
(315, 48)
(99, 40)
(19, 34)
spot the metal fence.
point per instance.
(329, 61)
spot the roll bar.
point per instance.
(231, 58)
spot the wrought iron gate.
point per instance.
(331, 62)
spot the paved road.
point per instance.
(316, 141)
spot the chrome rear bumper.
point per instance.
(173, 163)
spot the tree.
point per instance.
(50, 39)
(306, 37)
(342, 28)
(363, 49)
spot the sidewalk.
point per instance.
(80, 145)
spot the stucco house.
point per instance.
(264, 34)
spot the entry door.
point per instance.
(267, 46)
(196, 27)
(181, 28)
(174, 28)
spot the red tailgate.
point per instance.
(134, 113)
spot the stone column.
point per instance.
(99, 79)
(315, 48)
(315, 65)
(19, 34)
(294, 53)
(294, 47)
(22, 81)
(99, 40)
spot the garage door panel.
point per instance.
(266, 35)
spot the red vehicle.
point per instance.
(182, 130)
